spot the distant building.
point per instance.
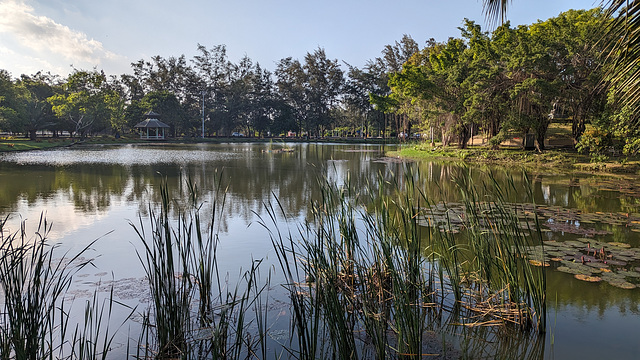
(152, 128)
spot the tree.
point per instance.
(433, 80)
(82, 106)
(168, 106)
(360, 85)
(619, 39)
(12, 109)
(291, 87)
(39, 113)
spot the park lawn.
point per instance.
(17, 144)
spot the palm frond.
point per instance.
(623, 55)
(495, 10)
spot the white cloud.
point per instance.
(45, 38)
(26, 64)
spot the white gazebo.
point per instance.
(152, 128)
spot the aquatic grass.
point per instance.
(305, 327)
(498, 246)
(196, 311)
(368, 278)
(35, 313)
(94, 339)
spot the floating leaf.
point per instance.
(597, 264)
(616, 262)
(538, 263)
(631, 274)
(568, 270)
(620, 244)
(622, 284)
(587, 278)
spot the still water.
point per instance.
(99, 191)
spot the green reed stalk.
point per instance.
(34, 283)
(93, 341)
(498, 247)
(377, 278)
(196, 313)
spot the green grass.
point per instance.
(7, 145)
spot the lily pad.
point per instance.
(538, 263)
(597, 265)
(622, 284)
(620, 244)
(616, 262)
(588, 278)
(631, 274)
(568, 270)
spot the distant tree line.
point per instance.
(512, 80)
(311, 96)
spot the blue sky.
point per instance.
(53, 35)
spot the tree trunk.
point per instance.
(540, 135)
(577, 127)
(32, 134)
(463, 136)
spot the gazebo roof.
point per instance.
(152, 123)
(151, 114)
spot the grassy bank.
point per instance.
(557, 159)
(7, 145)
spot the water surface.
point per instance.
(97, 191)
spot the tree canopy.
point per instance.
(512, 80)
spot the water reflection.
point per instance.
(90, 191)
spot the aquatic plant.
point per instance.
(35, 315)
(367, 277)
(195, 312)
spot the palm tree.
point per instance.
(624, 52)
(623, 38)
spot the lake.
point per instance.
(91, 192)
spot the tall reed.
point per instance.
(196, 312)
(34, 312)
(499, 244)
(367, 277)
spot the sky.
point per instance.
(59, 35)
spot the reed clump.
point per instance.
(34, 308)
(195, 313)
(368, 276)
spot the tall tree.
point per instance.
(39, 113)
(168, 106)
(12, 109)
(82, 106)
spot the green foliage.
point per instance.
(595, 142)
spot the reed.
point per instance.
(498, 245)
(368, 278)
(367, 275)
(93, 340)
(196, 312)
(35, 314)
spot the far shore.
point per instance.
(559, 158)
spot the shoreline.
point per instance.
(556, 158)
(22, 144)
